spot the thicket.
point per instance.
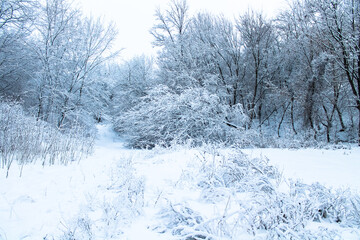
(194, 116)
(51, 92)
(289, 81)
(295, 78)
(24, 140)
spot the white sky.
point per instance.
(134, 18)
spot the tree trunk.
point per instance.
(40, 110)
(292, 115)
(343, 127)
(358, 82)
(309, 105)
(253, 101)
(282, 119)
(359, 126)
(328, 124)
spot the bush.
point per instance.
(106, 216)
(24, 140)
(248, 191)
(164, 117)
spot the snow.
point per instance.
(44, 198)
(333, 168)
(46, 201)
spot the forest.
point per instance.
(243, 128)
(290, 81)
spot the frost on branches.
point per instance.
(164, 117)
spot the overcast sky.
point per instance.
(134, 18)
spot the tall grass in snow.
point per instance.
(23, 140)
(249, 199)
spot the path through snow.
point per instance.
(45, 199)
(45, 202)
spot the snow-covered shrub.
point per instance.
(79, 229)
(355, 216)
(239, 172)
(129, 190)
(164, 117)
(182, 221)
(251, 200)
(23, 139)
(330, 205)
(106, 216)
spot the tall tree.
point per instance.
(132, 80)
(70, 48)
(258, 38)
(16, 61)
(220, 56)
(170, 34)
(339, 22)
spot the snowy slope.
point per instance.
(118, 193)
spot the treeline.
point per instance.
(251, 81)
(290, 80)
(51, 56)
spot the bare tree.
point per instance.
(339, 22)
(170, 34)
(70, 48)
(171, 24)
(16, 61)
(257, 34)
(220, 53)
(16, 12)
(131, 82)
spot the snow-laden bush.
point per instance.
(24, 140)
(253, 201)
(107, 216)
(183, 221)
(164, 117)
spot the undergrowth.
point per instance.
(257, 203)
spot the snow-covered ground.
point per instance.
(333, 168)
(44, 200)
(119, 193)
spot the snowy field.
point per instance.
(118, 193)
(333, 168)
